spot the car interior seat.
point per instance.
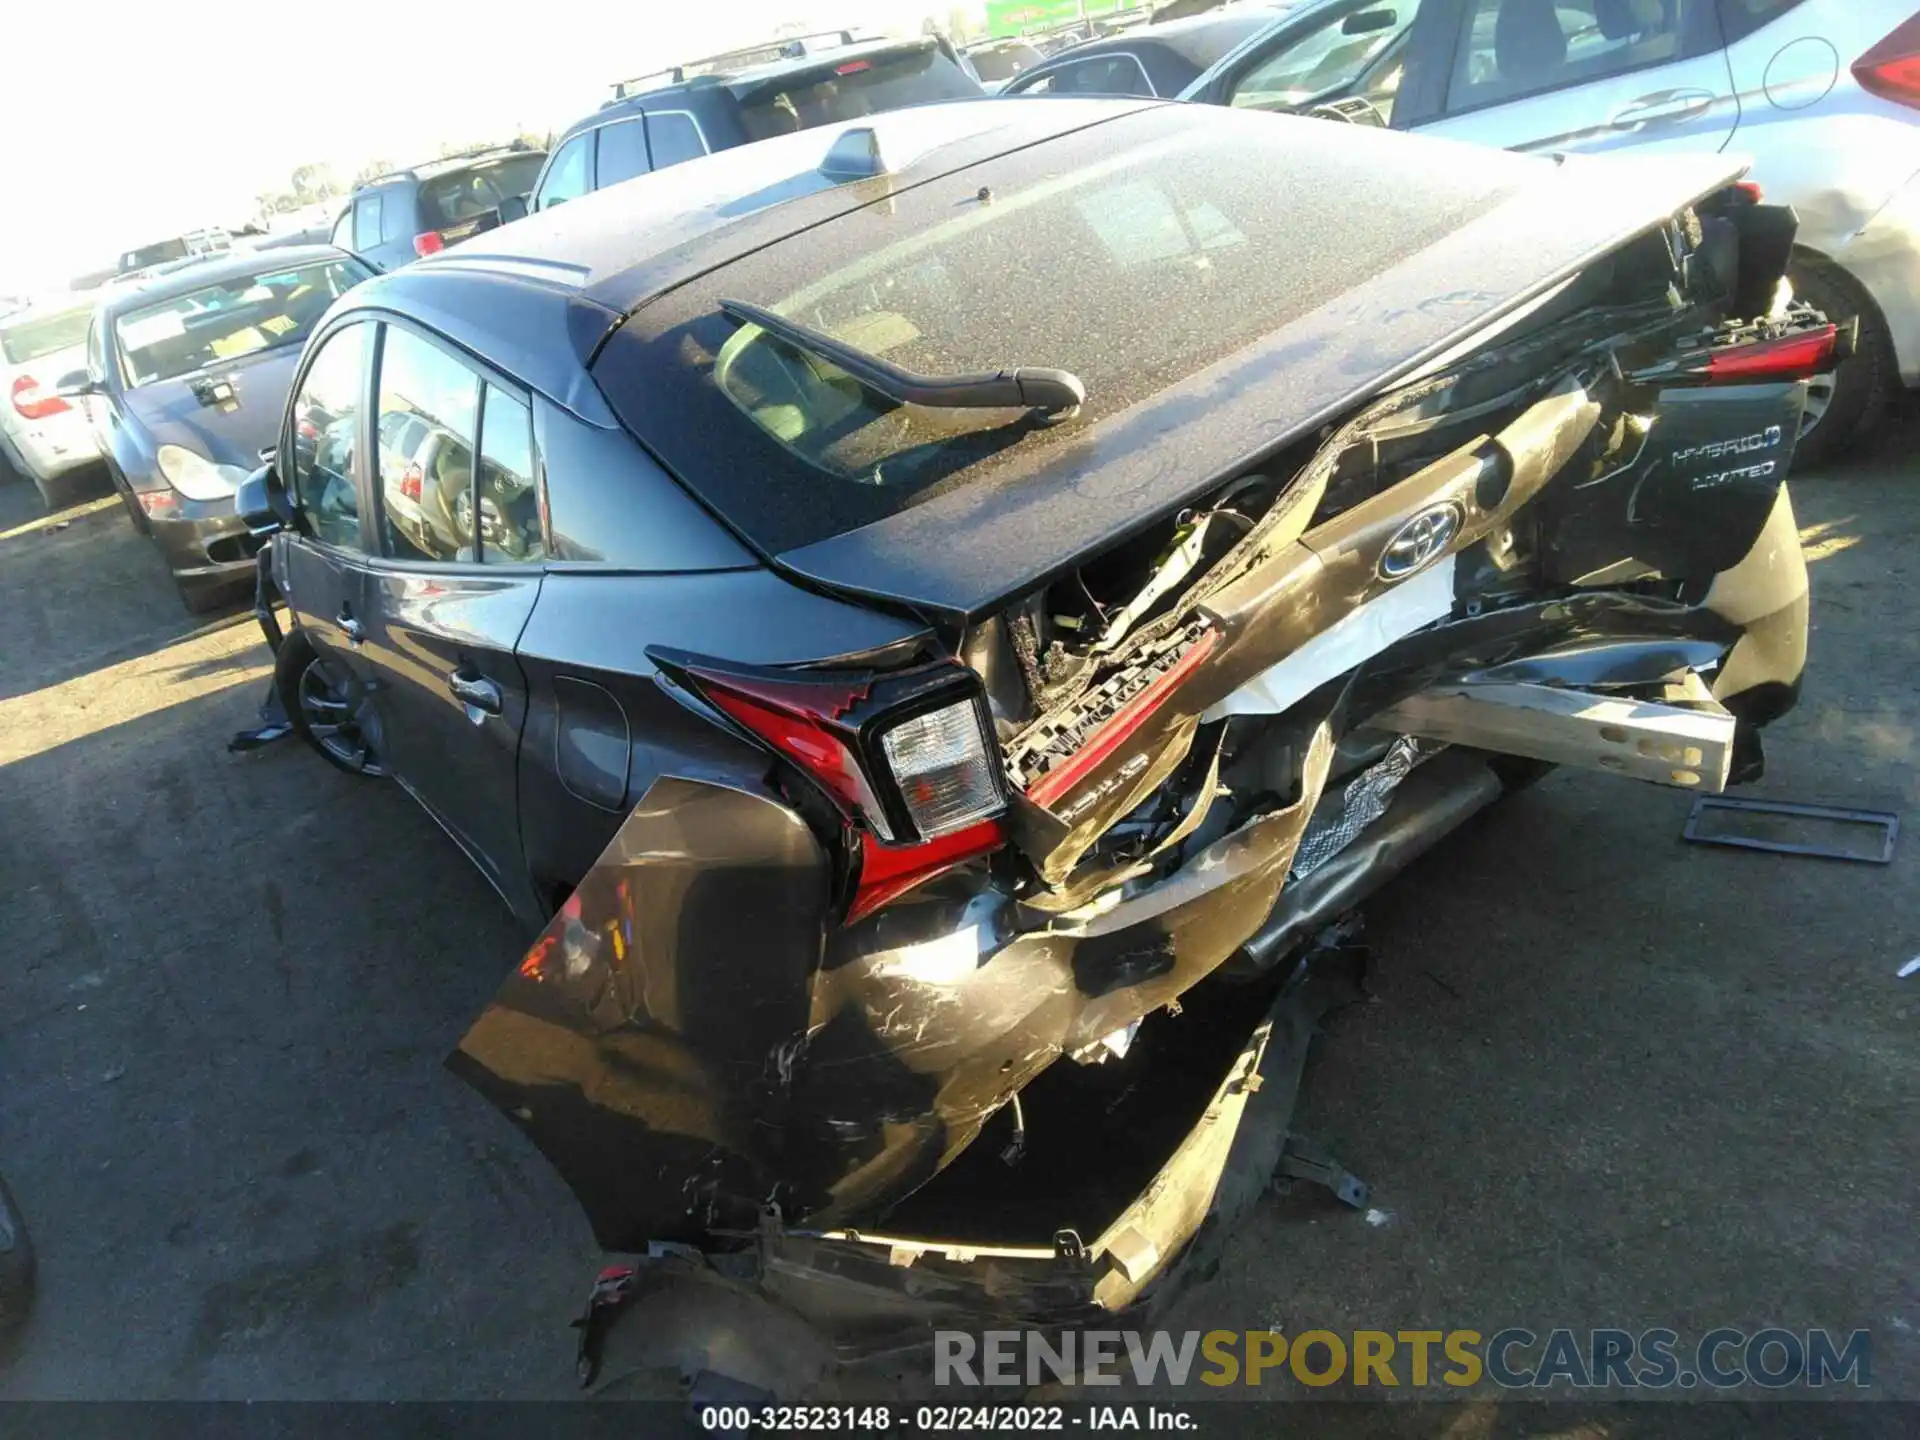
(1528, 44)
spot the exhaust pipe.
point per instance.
(1436, 799)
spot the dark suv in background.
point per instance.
(398, 217)
(700, 106)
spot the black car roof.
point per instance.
(212, 270)
(535, 298)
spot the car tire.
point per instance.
(1843, 409)
(136, 517)
(316, 696)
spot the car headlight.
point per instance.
(197, 477)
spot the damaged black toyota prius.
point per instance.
(936, 618)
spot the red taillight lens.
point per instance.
(30, 402)
(888, 871)
(410, 482)
(810, 745)
(1891, 69)
(853, 67)
(920, 736)
(1795, 357)
(1750, 189)
(1102, 743)
(428, 243)
(157, 502)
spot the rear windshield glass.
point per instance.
(1133, 254)
(1003, 62)
(853, 88)
(40, 335)
(236, 317)
(451, 199)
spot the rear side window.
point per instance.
(570, 175)
(343, 230)
(366, 222)
(856, 88)
(1100, 75)
(1512, 48)
(428, 405)
(326, 422)
(39, 336)
(507, 494)
(1740, 18)
(623, 152)
(674, 137)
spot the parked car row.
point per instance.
(1820, 93)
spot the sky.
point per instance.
(131, 121)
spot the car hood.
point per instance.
(172, 412)
(965, 552)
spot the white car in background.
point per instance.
(43, 436)
(1822, 95)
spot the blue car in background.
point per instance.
(185, 379)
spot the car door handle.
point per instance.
(476, 692)
(1659, 109)
(350, 627)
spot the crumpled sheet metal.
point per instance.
(686, 1044)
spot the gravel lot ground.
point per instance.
(1606, 1078)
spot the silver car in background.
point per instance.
(42, 435)
(1823, 96)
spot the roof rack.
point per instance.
(768, 52)
(412, 172)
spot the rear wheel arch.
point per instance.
(1863, 385)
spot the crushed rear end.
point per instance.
(879, 1074)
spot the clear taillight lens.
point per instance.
(942, 764)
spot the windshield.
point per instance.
(37, 335)
(236, 317)
(1133, 263)
(855, 88)
(448, 200)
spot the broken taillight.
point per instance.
(1891, 69)
(1798, 355)
(1792, 357)
(908, 759)
(1102, 743)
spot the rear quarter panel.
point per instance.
(600, 726)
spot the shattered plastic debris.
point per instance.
(273, 725)
(1912, 967)
(1365, 801)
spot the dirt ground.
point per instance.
(1606, 1078)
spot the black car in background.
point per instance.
(186, 380)
(1153, 60)
(723, 101)
(398, 217)
(895, 704)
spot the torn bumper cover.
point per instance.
(696, 1045)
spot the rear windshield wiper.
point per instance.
(1026, 387)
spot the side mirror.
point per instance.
(74, 384)
(1365, 22)
(514, 207)
(262, 501)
